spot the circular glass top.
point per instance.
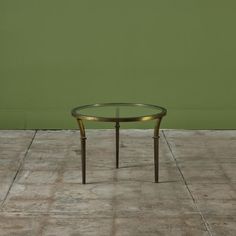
(114, 112)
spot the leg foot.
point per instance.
(83, 159)
(117, 144)
(83, 150)
(156, 150)
(156, 158)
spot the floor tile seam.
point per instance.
(187, 187)
(177, 166)
(18, 169)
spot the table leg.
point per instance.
(83, 149)
(156, 150)
(117, 143)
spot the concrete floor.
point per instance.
(41, 191)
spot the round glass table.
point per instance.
(119, 112)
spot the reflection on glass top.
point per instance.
(118, 110)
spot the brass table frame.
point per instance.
(161, 111)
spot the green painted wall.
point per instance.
(57, 54)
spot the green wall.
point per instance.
(55, 55)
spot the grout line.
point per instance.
(177, 165)
(186, 185)
(18, 170)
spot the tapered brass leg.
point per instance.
(117, 144)
(83, 149)
(156, 150)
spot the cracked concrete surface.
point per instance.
(41, 191)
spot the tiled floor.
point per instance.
(41, 191)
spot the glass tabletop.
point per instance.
(118, 112)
